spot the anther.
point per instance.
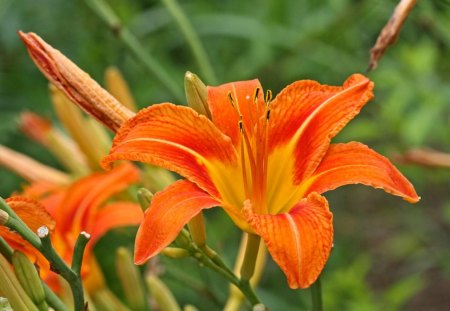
(268, 114)
(268, 97)
(241, 124)
(230, 98)
(255, 98)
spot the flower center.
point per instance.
(253, 149)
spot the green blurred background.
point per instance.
(388, 255)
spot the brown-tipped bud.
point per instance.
(29, 168)
(4, 216)
(76, 83)
(118, 87)
(196, 94)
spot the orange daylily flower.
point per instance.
(265, 162)
(84, 205)
(34, 215)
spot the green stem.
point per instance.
(193, 40)
(316, 295)
(104, 11)
(5, 249)
(215, 263)
(60, 267)
(251, 254)
(78, 251)
(53, 300)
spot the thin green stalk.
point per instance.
(60, 267)
(44, 246)
(53, 300)
(217, 265)
(192, 39)
(104, 11)
(251, 253)
(78, 251)
(316, 295)
(5, 249)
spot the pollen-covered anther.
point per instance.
(255, 97)
(269, 97)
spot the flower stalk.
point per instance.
(43, 244)
(316, 295)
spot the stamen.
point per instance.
(244, 171)
(255, 97)
(268, 114)
(268, 97)
(230, 98)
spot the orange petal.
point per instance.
(78, 208)
(309, 115)
(170, 210)
(31, 212)
(34, 215)
(176, 138)
(225, 116)
(117, 214)
(299, 241)
(354, 163)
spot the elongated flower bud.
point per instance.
(11, 288)
(145, 197)
(29, 279)
(175, 252)
(30, 169)
(76, 83)
(162, 294)
(196, 94)
(118, 87)
(3, 217)
(130, 279)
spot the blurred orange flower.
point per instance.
(265, 162)
(86, 206)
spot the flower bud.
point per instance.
(4, 216)
(175, 252)
(145, 197)
(11, 288)
(118, 87)
(183, 239)
(29, 279)
(196, 94)
(130, 279)
(162, 294)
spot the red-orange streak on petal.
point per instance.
(225, 116)
(176, 138)
(117, 214)
(170, 210)
(313, 114)
(34, 215)
(299, 241)
(354, 163)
